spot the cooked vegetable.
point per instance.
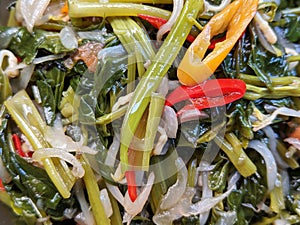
(195, 67)
(150, 112)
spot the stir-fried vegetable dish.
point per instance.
(151, 112)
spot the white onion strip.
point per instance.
(162, 140)
(87, 215)
(106, 202)
(169, 122)
(177, 7)
(215, 8)
(132, 208)
(257, 125)
(12, 60)
(41, 154)
(273, 147)
(268, 157)
(175, 192)
(32, 11)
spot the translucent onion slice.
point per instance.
(87, 216)
(273, 147)
(162, 140)
(123, 100)
(215, 8)
(134, 208)
(177, 7)
(113, 151)
(106, 202)
(293, 141)
(41, 154)
(10, 70)
(32, 11)
(257, 125)
(68, 38)
(176, 190)
(268, 157)
(170, 122)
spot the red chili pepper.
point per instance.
(131, 185)
(18, 145)
(208, 94)
(157, 22)
(2, 188)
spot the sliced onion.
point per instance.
(206, 193)
(192, 114)
(32, 11)
(134, 208)
(293, 141)
(271, 165)
(273, 147)
(87, 216)
(266, 29)
(56, 136)
(41, 154)
(177, 7)
(162, 140)
(257, 125)
(114, 51)
(185, 207)
(7, 35)
(215, 8)
(68, 38)
(285, 182)
(176, 190)
(21, 82)
(265, 43)
(170, 122)
(12, 60)
(123, 100)
(115, 191)
(106, 202)
(113, 151)
(95, 35)
(163, 87)
(47, 58)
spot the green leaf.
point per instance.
(26, 45)
(266, 65)
(51, 85)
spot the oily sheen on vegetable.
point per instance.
(150, 112)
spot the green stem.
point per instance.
(132, 37)
(233, 149)
(293, 58)
(94, 194)
(291, 11)
(131, 72)
(254, 92)
(88, 9)
(155, 111)
(282, 150)
(276, 81)
(32, 126)
(154, 74)
(108, 118)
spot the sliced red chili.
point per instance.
(131, 185)
(157, 22)
(18, 145)
(208, 94)
(2, 188)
